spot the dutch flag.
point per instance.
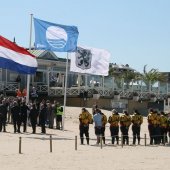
(16, 58)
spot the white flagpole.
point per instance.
(28, 76)
(65, 93)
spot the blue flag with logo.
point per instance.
(55, 37)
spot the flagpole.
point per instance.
(65, 93)
(28, 76)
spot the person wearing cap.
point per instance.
(125, 122)
(114, 126)
(85, 118)
(137, 120)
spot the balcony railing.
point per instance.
(76, 91)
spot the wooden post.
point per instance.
(19, 145)
(75, 142)
(51, 148)
(145, 139)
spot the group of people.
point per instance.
(16, 111)
(158, 126)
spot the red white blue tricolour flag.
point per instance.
(16, 58)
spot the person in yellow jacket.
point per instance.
(58, 113)
(137, 120)
(85, 118)
(158, 128)
(104, 122)
(168, 128)
(114, 126)
(152, 126)
(125, 122)
(163, 127)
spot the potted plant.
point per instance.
(116, 95)
(153, 97)
(96, 95)
(135, 96)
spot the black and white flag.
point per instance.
(90, 60)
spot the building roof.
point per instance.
(37, 53)
(46, 55)
(122, 67)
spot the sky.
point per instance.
(135, 32)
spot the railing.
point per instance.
(9, 87)
(12, 87)
(75, 91)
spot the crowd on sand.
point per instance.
(15, 110)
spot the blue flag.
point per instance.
(55, 37)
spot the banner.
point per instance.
(16, 58)
(55, 37)
(90, 60)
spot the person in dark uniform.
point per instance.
(43, 116)
(33, 117)
(16, 117)
(24, 108)
(3, 115)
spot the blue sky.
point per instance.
(135, 32)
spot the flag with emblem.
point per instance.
(90, 60)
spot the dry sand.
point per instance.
(36, 150)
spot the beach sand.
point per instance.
(36, 155)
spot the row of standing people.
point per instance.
(122, 122)
(100, 120)
(42, 114)
(158, 126)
